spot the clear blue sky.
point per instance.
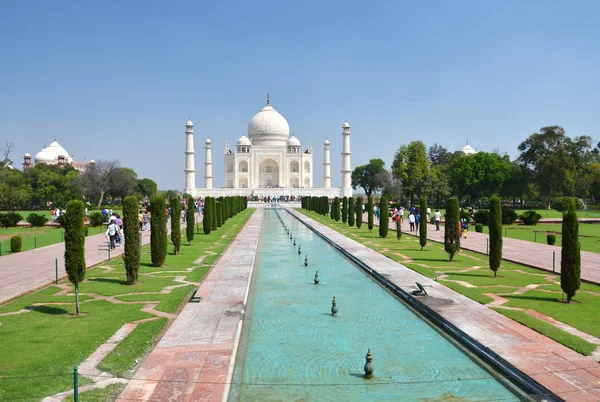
(120, 79)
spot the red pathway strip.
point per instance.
(193, 360)
(566, 373)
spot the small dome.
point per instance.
(244, 141)
(293, 142)
(92, 162)
(27, 155)
(468, 150)
(189, 124)
(208, 141)
(44, 157)
(345, 125)
(326, 142)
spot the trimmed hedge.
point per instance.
(10, 219)
(530, 218)
(551, 239)
(37, 220)
(158, 232)
(15, 244)
(479, 228)
(96, 219)
(131, 231)
(190, 219)
(384, 219)
(451, 229)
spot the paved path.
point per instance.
(194, 359)
(520, 251)
(563, 371)
(24, 272)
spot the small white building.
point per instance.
(468, 150)
(54, 154)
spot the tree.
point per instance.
(336, 208)
(439, 156)
(479, 175)
(436, 184)
(351, 209)
(370, 177)
(158, 232)
(451, 229)
(384, 219)
(219, 214)
(75, 246)
(495, 227)
(6, 150)
(131, 229)
(332, 211)
(207, 215)
(359, 211)
(398, 230)
(146, 187)
(107, 177)
(213, 207)
(423, 225)
(370, 207)
(190, 219)
(344, 209)
(175, 204)
(410, 166)
(570, 259)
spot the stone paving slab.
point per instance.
(24, 272)
(194, 359)
(524, 252)
(566, 373)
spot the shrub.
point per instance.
(219, 214)
(175, 203)
(530, 217)
(479, 228)
(359, 212)
(482, 216)
(74, 246)
(158, 231)
(10, 219)
(551, 239)
(451, 229)
(561, 204)
(570, 259)
(509, 216)
(86, 231)
(37, 220)
(96, 219)
(131, 231)
(370, 214)
(351, 208)
(207, 215)
(190, 219)
(423, 225)
(15, 244)
(398, 230)
(495, 252)
(384, 219)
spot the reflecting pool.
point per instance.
(293, 349)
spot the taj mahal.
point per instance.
(267, 162)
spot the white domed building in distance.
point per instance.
(266, 162)
(54, 154)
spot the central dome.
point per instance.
(268, 127)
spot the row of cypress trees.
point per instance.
(217, 210)
(319, 205)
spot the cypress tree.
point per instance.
(213, 207)
(158, 233)
(570, 260)
(190, 220)
(336, 208)
(344, 209)
(75, 246)
(398, 230)
(223, 211)
(207, 216)
(175, 204)
(451, 228)
(131, 229)
(423, 225)
(384, 219)
(495, 228)
(324, 205)
(219, 214)
(332, 211)
(359, 212)
(370, 214)
(351, 211)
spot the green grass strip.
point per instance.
(471, 293)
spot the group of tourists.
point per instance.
(115, 231)
(56, 213)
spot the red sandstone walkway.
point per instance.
(194, 359)
(24, 272)
(520, 251)
(566, 373)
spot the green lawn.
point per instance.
(35, 237)
(589, 234)
(472, 268)
(38, 349)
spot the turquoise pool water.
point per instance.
(293, 349)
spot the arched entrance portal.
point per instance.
(268, 174)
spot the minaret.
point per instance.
(190, 169)
(208, 165)
(326, 167)
(346, 190)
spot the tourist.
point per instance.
(119, 223)
(401, 214)
(86, 214)
(465, 227)
(112, 231)
(182, 216)
(411, 221)
(146, 219)
(141, 220)
(437, 217)
(428, 214)
(417, 220)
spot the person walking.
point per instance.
(465, 227)
(111, 231)
(401, 214)
(411, 221)
(141, 220)
(146, 219)
(437, 217)
(417, 221)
